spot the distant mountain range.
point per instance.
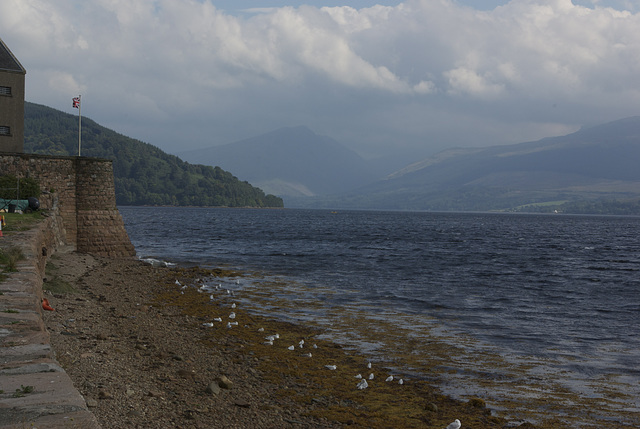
(580, 172)
(290, 162)
(583, 171)
(594, 170)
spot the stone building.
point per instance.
(12, 76)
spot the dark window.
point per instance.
(5, 90)
(5, 131)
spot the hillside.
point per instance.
(593, 170)
(143, 174)
(290, 162)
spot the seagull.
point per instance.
(233, 305)
(177, 282)
(211, 297)
(218, 319)
(371, 376)
(369, 365)
(390, 378)
(315, 346)
(237, 282)
(401, 381)
(307, 355)
(208, 325)
(363, 384)
(291, 348)
(261, 330)
(276, 335)
(454, 425)
(233, 323)
(232, 315)
(331, 367)
(268, 343)
(359, 376)
(301, 343)
(270, 338)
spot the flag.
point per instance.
(76, 102)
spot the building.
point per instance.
(12, 77)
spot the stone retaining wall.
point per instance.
(85, 194)
(26, 357)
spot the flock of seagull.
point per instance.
(270, 340)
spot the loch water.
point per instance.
(560, 292)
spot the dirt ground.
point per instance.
(142, 351)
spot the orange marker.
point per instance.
(45, 304)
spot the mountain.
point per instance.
(143, 174)
(290, 162)
(583, 169)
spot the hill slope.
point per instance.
(593, 164)
(143, 174)
(290, 162)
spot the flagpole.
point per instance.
(79, 123)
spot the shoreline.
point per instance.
(135, 346)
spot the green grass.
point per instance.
(20, 222)
(9, 258)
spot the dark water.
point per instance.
(541, 285)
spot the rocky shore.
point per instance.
(143, 347)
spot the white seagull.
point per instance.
(359, 376)
(363, 384)
(331, 367)
(454, 425)
(218, 319)
(291, 348)
(401, 381)
(369, 365)
(233, 305)
(390, 378)
(208, 325)
(371, 376)
(232, 315)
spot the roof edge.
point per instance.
(22, 69)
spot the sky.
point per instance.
(386, 79)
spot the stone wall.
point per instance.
(84, 192)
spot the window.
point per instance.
(5, 90)
(5, 131)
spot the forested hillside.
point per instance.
(144, 174)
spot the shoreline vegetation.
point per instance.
(147, 352)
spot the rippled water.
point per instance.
(555, 287)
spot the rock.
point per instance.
(103, 394)
(242, 403)
(224, 382)
(186, 374)
(213, 389)
(101, 337)
(91, 403)
(154, 394)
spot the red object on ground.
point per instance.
(45, 305)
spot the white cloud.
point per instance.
(355, 74)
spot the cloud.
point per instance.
(185, 74)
